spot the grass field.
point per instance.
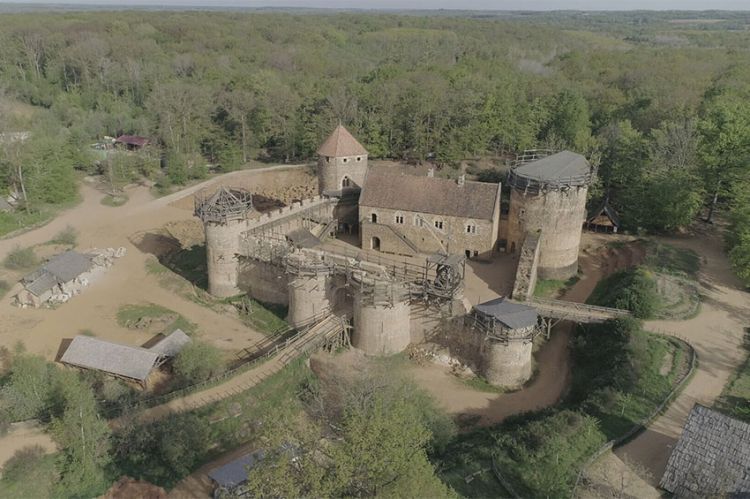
(553, 288)
(129, 315)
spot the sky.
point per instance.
(436, 4)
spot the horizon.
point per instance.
(411, 5)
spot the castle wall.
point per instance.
(380, 329)
(222, 250)
(308, 297)
(331, 172)
(454, 234)
(263, 282)
(558, 216)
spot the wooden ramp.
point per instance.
(576, 312)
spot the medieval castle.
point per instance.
(430, 226)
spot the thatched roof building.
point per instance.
(711, 458)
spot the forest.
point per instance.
(662, 107)
(659, 103)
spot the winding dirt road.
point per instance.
(717, 336)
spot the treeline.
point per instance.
(668, 122)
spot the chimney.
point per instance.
(431, 172)
(462, 180)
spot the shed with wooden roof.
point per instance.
(711, 457)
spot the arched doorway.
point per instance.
(346, 183)
(375, 243)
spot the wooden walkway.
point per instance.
(576, 312)
(327, 329)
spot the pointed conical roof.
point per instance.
(341, 143)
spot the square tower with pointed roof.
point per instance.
(342, 163)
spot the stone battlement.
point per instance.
(295, 209)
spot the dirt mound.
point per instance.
(680, 298)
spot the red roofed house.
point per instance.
(132, 142)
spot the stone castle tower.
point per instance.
(548, 199)
(225, 216)
(342, 163)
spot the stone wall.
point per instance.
(332, 171)
(454, 233)
(558, 216)
(263, 282)
(528, 268)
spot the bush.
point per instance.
(165, 451)
(544, 455)
(21, 259)
(197, 362)
(633, 289)
(68, 236)
(28, 473)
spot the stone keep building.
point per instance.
(406, 214)
(548, 198)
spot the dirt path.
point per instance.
(23, 435)
(126, 282)
(717, 336)
(552, 360)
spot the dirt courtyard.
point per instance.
(127, 281)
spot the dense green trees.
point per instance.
(368, 435)
(667, 121)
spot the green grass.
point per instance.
(19, 220)
(553, 288)
(68, 236)
(735, 399)
(128, 315)
(671, 259)
(114, 201)
(263, 317)
(481, 385)
(37, 482)
(21, 259)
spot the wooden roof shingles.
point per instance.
(436, 196)
(512, 315)
(711, 457)
(172, 344)
(121, 360)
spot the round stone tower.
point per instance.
(508, 331)
(309, 288)
(381, 316)
(225, 217)
(548, 197)
(342, 163)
